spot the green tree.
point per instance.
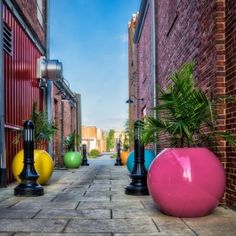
(110, 139)
(129, 133)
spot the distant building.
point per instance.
(93, 137)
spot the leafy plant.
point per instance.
(185, 113)
(43, 129)
(94, 153)
(72, 141)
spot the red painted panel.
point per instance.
(21, 85)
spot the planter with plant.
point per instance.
(186, 180)
(43, 133)
(72, 158)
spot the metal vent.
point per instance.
(7, 39)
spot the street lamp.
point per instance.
(138, 185)
(130, 100)
(29, 176)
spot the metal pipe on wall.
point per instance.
(3, 170)
(154, 65)
(49, 88)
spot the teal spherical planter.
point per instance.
(148, 157)
(72, 160)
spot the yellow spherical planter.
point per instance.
(124, 156)
(43, 164)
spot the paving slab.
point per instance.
(46, 205)
(18, 213)
(60, 234)
(109, 205)
(32, 225)
(112, 225)
(75, 214)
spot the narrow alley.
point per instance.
(91, 201)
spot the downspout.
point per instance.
(3, 170)
(153, 23)
(48, 98)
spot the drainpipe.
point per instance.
(153, 23)
(49, 83)
(3, 170)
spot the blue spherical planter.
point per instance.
(148, 157)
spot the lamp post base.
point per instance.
(85, 163)
(29, 190)
(136, 190)
(118, 163)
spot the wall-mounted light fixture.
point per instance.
(49, 69)
(130, 100)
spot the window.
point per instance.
(40, 11)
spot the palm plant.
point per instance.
(72, 141)
(43, 129)
(185, 113)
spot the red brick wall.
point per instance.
(231, 90)
(186, 34)
(29, 10)
(205, 32)
(132, 67)
(64, 117)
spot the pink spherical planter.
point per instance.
(186, 182)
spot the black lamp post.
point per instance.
(138, 185)
(29, 176)
(84, 153)
(118, 159)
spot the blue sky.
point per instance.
(90, 38)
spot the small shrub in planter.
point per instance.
(94, 153)
(72, 158)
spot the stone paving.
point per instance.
(91, 201)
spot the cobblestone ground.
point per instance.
(91, 201)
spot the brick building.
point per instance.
(67, 118)
(132, 67)
(94, 138)
(203, 31)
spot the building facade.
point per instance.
(66, 117)
(202, 31)
(94, 138)
(26, 77)
(23, 42)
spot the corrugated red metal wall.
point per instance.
(21, 85)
